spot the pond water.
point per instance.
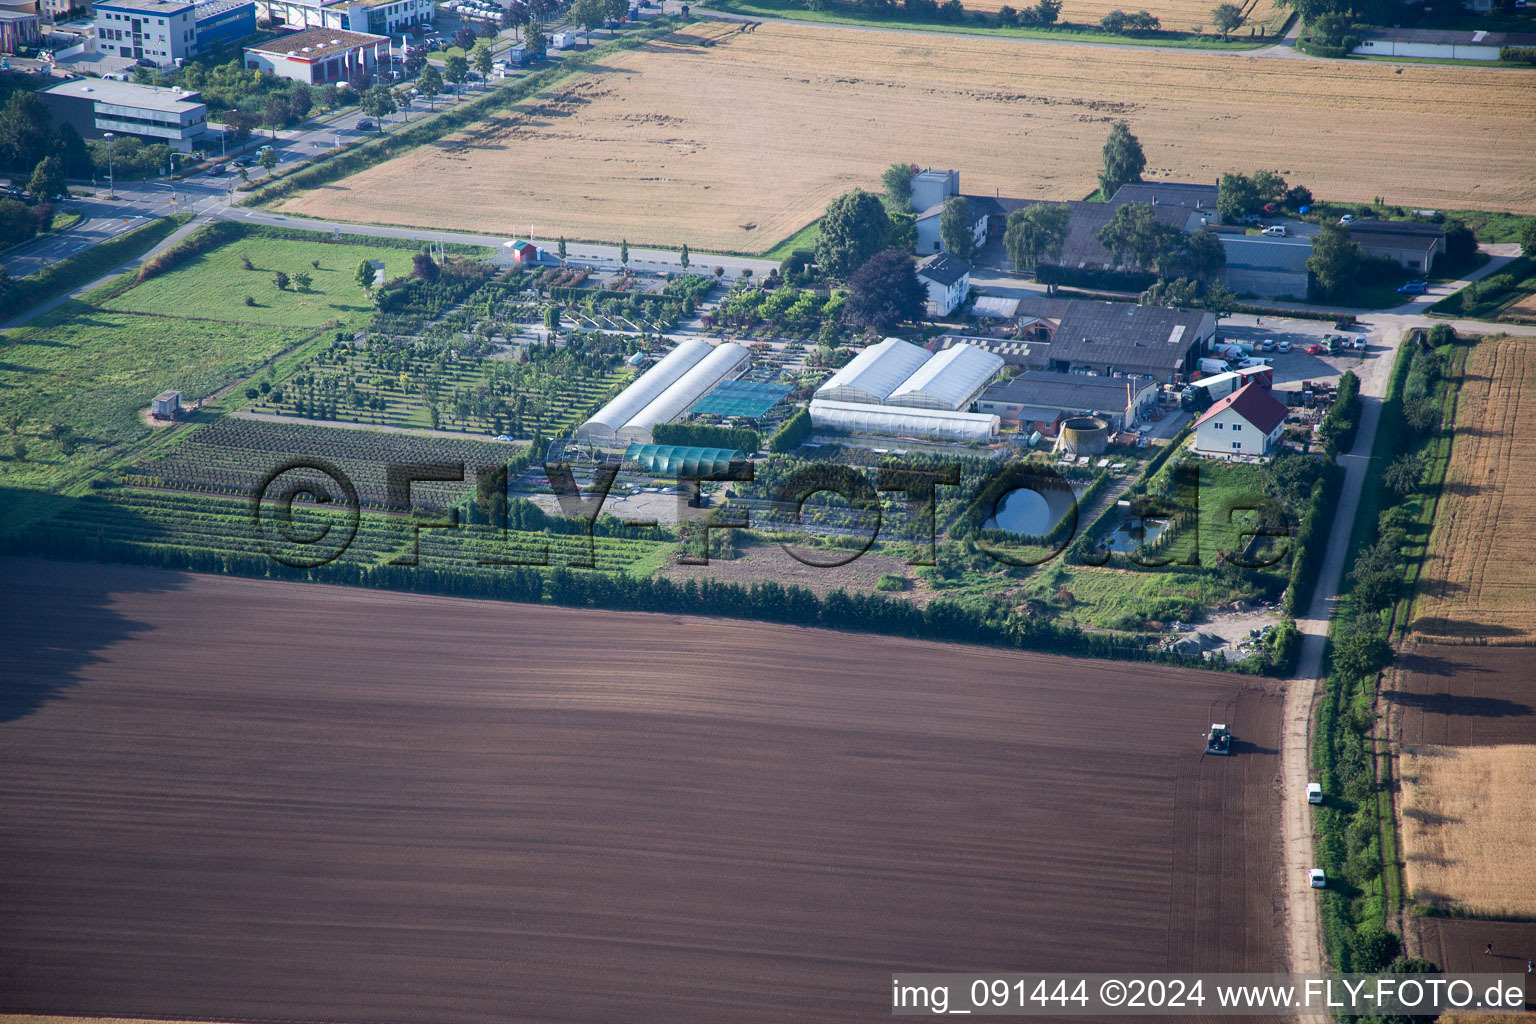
(1126, 536)
(1030, 513)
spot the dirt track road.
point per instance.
(239, 799)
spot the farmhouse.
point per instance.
(1447, 44)
(1248, 422)
(1270, 268)
(947, 279)
(96, 106)
(1109, 338)
(318, 56)
(1410, 244)
(1039, 399)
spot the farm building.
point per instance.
(673, 460)
(895, 421)
(1031, 351)
(1247, 422)
(874, 373)
(947, 279)
(950, 380)
(722, 362)
(319, 55)
(1041, 398)
(1114, 337)
(1446, 44)
(523, 252)
(1182, 194)
(1270, 268)
(995, 307)
(166, 405)
(1410, 244)
(603, 428)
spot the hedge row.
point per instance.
(1087, 277)
(1312, 541)
(791, 433)
(1339, 426)
(21, 294)
(700, 435)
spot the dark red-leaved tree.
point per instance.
(884, 292)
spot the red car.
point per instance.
(1315, 350)
(1271, 208)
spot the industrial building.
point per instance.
(1270, 268)
(1040, 399)
(96, 106)
(320, 55)
(1115, 337)
(663, 393)
(895, 421)
(950, 380)
(874, 373)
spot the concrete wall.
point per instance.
(1266, 284)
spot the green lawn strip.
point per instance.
(805, 238)
(215, 284)
(1488, 298)
(848, 15)
(84, 267)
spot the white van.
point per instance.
(1275, 231)
(1314, 793)
(1209, 365)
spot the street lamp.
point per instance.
(111, 178)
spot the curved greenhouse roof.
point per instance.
(950, 380)
(672, 460)
(941, 424)
(603, 427)
(874, 373)
(683, 392)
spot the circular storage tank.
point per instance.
(1084, 435)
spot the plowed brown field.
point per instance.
(1477, 585)
(232, 799)
(738, 144)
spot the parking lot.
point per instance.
(1295, 366)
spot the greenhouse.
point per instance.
(950, 380)
(673, 460)
(896, 421)
(603, 427)
(747, 399)
(726, 360)
(874, 373)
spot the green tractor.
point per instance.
(1218, 740)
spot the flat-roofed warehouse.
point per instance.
(874, 373)
(897, 421)
(603, 428)
(950, 380)
(1042, 397)
(725, 361)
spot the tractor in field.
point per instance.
(1218, 740)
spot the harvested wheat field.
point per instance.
(234, 799)
(1468, 817)
(733, 141)
(1477, 585)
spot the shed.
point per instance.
(166, 406)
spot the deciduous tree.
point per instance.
(1036, 233)
(1335, 260)
(1137, 239)
(854, 229)
(885, 292)
(1226, 17)
(47, 178)
(1202, 256)
(1123, 159)
(430, 85)
(456, 70)
(897, 180)
(955, 228)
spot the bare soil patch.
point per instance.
(1477, 585)
(734, 141)
(1468, 819)
(760, 563)
(1462, 696)
(234, 799)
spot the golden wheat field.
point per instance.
(1468, 818)
(736, 145)
(1477, 585)
(1182, 15)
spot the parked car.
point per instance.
(216, 170)
(1348, 218)
(1274, 231)
(1284, 346)
(1314, 792)
(1271, 208)
(1414, 288)
(365, 125)
(1267, 345)
(1318, 878)
(1314, 350)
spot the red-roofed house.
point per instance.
(1247, 422)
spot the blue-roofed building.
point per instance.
(223, 22)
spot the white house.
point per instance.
(1446, 44)
(947, 279)
(1247, 422)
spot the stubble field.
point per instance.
(1477, 585)
(237, 799)
(733, 141)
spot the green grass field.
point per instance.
(214, 285)
(95, 372)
